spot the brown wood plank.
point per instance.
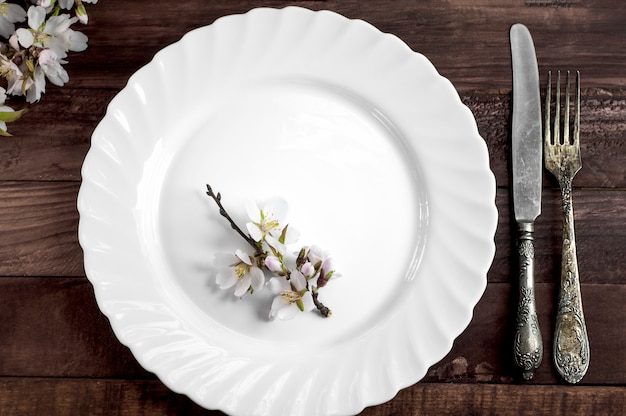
(39, 152)
(58, 354)
(93, 397)
(602, 130)
(36, 396)
(503, 400)
(483, 352)
(49, 144)
(39, 229)
(52, 327)
(467, 41)
(600, 237)
(39, 223)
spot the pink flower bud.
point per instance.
(273, 264)
(327, 266)
(307, 269)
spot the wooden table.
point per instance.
(58, 354)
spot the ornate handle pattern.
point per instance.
(571, 345)
(528, 345)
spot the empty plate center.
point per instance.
(352, 188)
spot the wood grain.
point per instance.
(39, 152)
(47, 320)
(39, 225)
(39, 229)
(93, 397)
(33, 397)
(467, 41)
(58, 353)
(503, 400)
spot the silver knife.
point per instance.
(526, 155)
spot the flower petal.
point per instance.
(36, 16)
(277, 208)
(292, 235)
(254, 231)
(24, 37)
(226, 278)
(279, 284)
(241, 255)
(287, 312)
(77, 41)
(242, 286)
(277, 304)
(273, 243)
(14, 13)
(307, 300)
(257, 279)
(253, 211)
(66, 4)
(298, 281)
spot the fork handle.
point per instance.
(571, 345)
(528, 345)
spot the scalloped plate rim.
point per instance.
(103, 298)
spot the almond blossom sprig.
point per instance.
(295, 278)
(37, 50)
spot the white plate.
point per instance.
(381, 164)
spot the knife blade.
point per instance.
(526, 163)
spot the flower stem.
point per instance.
(325, 311)
(218, 200)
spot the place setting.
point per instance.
(312, 208)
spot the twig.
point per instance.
(218, 200)
(325, 311)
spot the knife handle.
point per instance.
(571, 344)
(528, 345)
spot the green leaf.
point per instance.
(300, 304)
(5, 133)
(10, 116)
(283, 235)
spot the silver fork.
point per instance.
(562, 158)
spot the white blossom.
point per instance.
(292, 296)
(55, 33)
(9, 15)
(51, 66)
(37, 86)
(240, 272)
(12, 73)
(295, 277)
(267, 225)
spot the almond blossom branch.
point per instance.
(295, 277)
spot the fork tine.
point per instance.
(577, 114)
(566, 108)
(557, 109)
(546, 122)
